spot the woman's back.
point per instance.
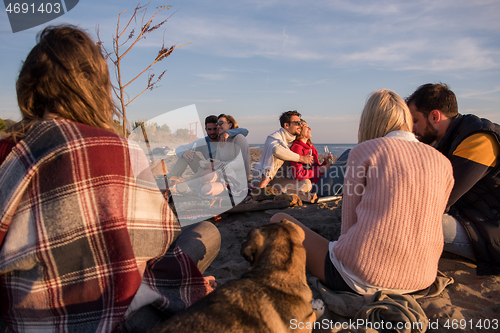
(395, 193)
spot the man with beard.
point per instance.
(277, 150)
(207, 146)
(471, 226)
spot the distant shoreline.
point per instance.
(335, 148)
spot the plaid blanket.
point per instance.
(82, 227)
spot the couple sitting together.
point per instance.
(227, 160)
(290, 162)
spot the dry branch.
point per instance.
(132, 38)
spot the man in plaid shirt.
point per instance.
(85, 234)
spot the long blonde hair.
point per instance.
(383, 113)
(64, 74)
(301, 135)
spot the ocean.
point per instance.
(335, 148)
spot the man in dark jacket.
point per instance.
(471, 226)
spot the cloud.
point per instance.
(479, 94)
(285, 37)
(208, 101)
(424, 35)
(214, 76)
(304, 83)
(465, 53)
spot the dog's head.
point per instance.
(276, 238)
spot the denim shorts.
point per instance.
(333, 279)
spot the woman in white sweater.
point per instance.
(231, 166)
(395, 193)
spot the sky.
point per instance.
(254, 59)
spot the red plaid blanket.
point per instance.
(82, 227)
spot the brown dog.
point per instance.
(266, 298)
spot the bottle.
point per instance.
(330, 159)
(193, 150)
(308, 166)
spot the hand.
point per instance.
(188, 155)
(210, 283)
(306, 159)
(328, 156)
(223, 139)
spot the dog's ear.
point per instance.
(253, 246)
(297, 228)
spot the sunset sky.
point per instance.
(256, 59)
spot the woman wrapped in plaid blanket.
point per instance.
(86, 239)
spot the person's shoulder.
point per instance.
(272, 138)
(277, 131)
(369, 144)
(296, 146)
(63, 132)
(239, 137)
(482, 148)
(388, 144)
(239, 140)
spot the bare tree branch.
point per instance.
(132, 37)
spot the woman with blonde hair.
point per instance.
(304, 146)
(326, 178)
(86, 237)
(384, 112)
(395, 192)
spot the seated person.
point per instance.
(394, 198)
(231, 166)
(87, 241)
(303, 146)
(471, 225)
(207, 146)
(277, 150)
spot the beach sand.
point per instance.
(472, 299)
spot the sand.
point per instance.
(472, 299)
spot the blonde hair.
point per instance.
(301, 135)
(383, 113)
(65, 74)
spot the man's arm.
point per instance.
(286, 154)
(471, 161)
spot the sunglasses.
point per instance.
(298, 123)
(220, 122)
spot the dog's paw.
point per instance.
(318, 307)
